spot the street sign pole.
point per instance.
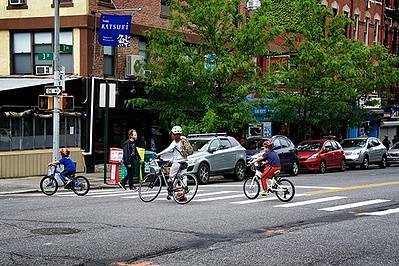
(56, 112)
(106, 109)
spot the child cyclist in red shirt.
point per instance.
(272, 165)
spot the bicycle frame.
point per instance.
(271, 182)
(160, 171)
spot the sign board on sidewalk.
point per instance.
(115, 155)
(111, 94)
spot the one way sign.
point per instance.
(53, 90)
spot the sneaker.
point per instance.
(134, 189)
(168, 197)
(121, 185)
(264, 193)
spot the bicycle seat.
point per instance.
(183, 165)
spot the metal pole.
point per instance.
(106, 109)
(56, 111)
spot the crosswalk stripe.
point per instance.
(353, 205)
(307, 202)
(221, 198)
(249, 201)
(380, 213)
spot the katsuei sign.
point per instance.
(115, 30)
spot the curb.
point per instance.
(38, 190)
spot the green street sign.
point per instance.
(66, 48)
(45, 56)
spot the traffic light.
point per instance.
(67, 103)
(45, 102)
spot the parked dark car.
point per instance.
(393, 154)
(282, 145)
(320, 155)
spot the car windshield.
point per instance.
(309, 146)
(353, 143)
(199, 144)
(253, 144)
(395, 146)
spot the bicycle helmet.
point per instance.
(268, 143)
(64, 152)
(176, 130)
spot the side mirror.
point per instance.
(212, 149)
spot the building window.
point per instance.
(164, 8)
(335, 11)
(109, 61)
(17, 4)
(366, 31)
(143, 49)
(347, 33)
(63, 3)
(356, 28)
(22, 53)
(376, 30)
(388, 3)
(33, 50)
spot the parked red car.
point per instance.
(320, 155)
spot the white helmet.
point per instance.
(176, 130)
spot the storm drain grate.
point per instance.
(55, 231)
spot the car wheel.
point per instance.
(383, 162)
(323, 167)
(294, 168)
(203, 173)
(239, 171)
(365, 163)
(343, 166)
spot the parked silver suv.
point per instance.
(364, 151)
(216, 153)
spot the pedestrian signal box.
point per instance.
(67, 103)
(45, 102)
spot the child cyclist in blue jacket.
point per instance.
(69, 165)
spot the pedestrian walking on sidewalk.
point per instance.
(131, 160)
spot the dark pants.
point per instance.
(132, 172)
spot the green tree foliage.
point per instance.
(202, 85)
(327, 74)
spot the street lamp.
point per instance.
(253, 4)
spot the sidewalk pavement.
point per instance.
(32, 184)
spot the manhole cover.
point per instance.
(55, 231)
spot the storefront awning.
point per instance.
(16, 83)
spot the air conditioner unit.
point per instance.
(17, 2)
(135, 65)
(44, 70)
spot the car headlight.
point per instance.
(314, 156)
(356, 152)
(192, 161)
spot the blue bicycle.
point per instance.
(49, 185)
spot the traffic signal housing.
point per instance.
(67, 103)
(45, 102)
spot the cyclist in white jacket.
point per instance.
(176, 148)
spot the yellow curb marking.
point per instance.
(364, 186)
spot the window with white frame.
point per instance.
(109, 61)
(33, 49)
(356, 28)
(376, 30)
(143, 49)
(366, 31)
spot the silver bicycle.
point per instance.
(182, 187)
(283, 188)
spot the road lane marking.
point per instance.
(364, 186)
(317, 187)
(353, 205)
(380, 213)
(307, 202)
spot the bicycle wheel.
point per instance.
(251, 187)
(48, 185)
(284, 190)
(80, 185)
(150, 187)
(185, 188)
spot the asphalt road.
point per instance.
(338, 218)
